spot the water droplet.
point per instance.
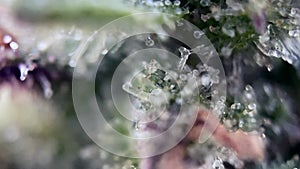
(198, 34)
(241, 123)
(294, 12)
(269, 67)
(46, 86)
(104, 52)
(132, 167)
(179, 101)
(177, 2)
(228, 31)
(196, 73)
(218, 164)
(23, 71)
(251, 114)
(48, 92)
(248, 88)
(14, 45)
(294, 33)
(178, 11)
(7, 39)
(252, 106)
(72, 63)
(136, 125)
(168, 2)
(205, 2)
(149, 42)
(184, 54)
(236, 106)
(249, 94)
(205, 80)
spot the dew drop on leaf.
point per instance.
(23, 71)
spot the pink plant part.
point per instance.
(259, 22)
(247, 146)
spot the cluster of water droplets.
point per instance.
(59, 46)
(25, 70)
(282, 36)
(59, 49)
(227, 155)
(214, 156)
(272, 44)
(218, 164)
(8, 40)
(27, 66)
(93, 157)
(158, 88)
(234, 8)
(168, 6)
(8, 45)
(243, 114)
